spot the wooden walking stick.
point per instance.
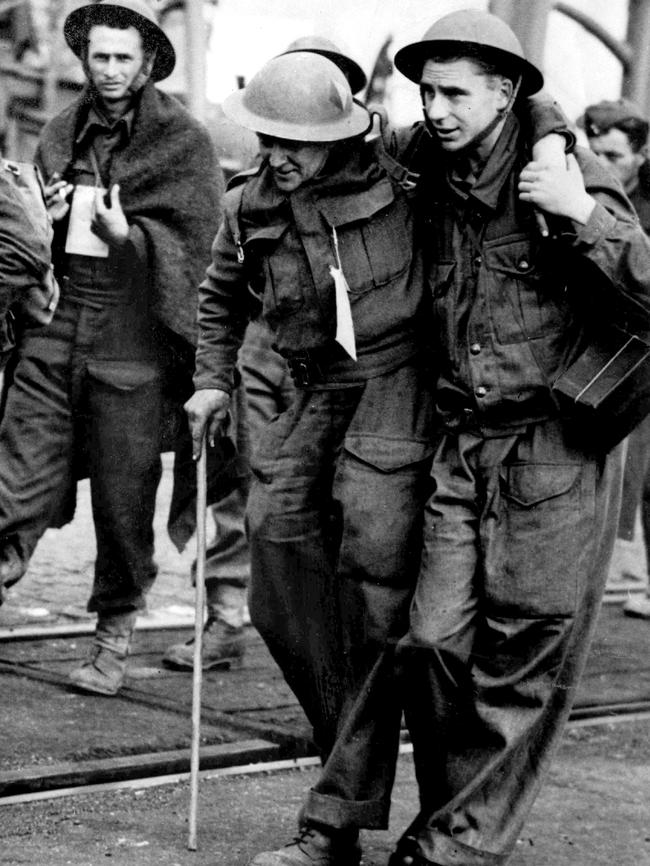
(201, 505)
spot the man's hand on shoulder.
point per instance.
(109, 223)
(557, 189)
(206, 409)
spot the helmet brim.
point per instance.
(357, 123)
(79, 21)
(410, 61)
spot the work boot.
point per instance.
(103, 672)
(313, 847)
(223, 647)
(638, 607)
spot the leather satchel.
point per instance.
(607, 388)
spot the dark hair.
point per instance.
(488, 62)
(635, 129)
(119, 19)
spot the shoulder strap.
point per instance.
(403, 170)
(232, 212)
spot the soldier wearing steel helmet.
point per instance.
(519, 529)
(122, 165)
(324, 241)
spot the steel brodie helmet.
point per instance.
(299, 97)
(487, 34)
(320, 45)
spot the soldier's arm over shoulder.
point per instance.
(542, 116)
(613, 240)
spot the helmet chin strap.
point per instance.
(144, 74)
(489, 129)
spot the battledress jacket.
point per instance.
(171, 188)
(278, 251)
(513, 309)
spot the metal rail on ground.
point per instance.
(246, 756)
(608, 714)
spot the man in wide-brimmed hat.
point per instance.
(133, 187)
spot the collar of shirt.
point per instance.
(96, 122)
(485, 188)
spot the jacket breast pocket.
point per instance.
(278, 267)
(376, 251)
(525, 300)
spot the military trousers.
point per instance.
(83, 394)
(334, 519)
(518, 535)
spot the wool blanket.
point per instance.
(170, 189)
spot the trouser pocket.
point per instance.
(539, 538)
(382, 485)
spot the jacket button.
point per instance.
(475, 348)
(481, 391)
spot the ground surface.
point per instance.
(593, 811)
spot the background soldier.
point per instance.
(618, 134)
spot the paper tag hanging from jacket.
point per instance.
(80, 239)
(344, 324)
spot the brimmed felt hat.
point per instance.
(300, 96)
(320, 45)
(137, 13)
(487, 33)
